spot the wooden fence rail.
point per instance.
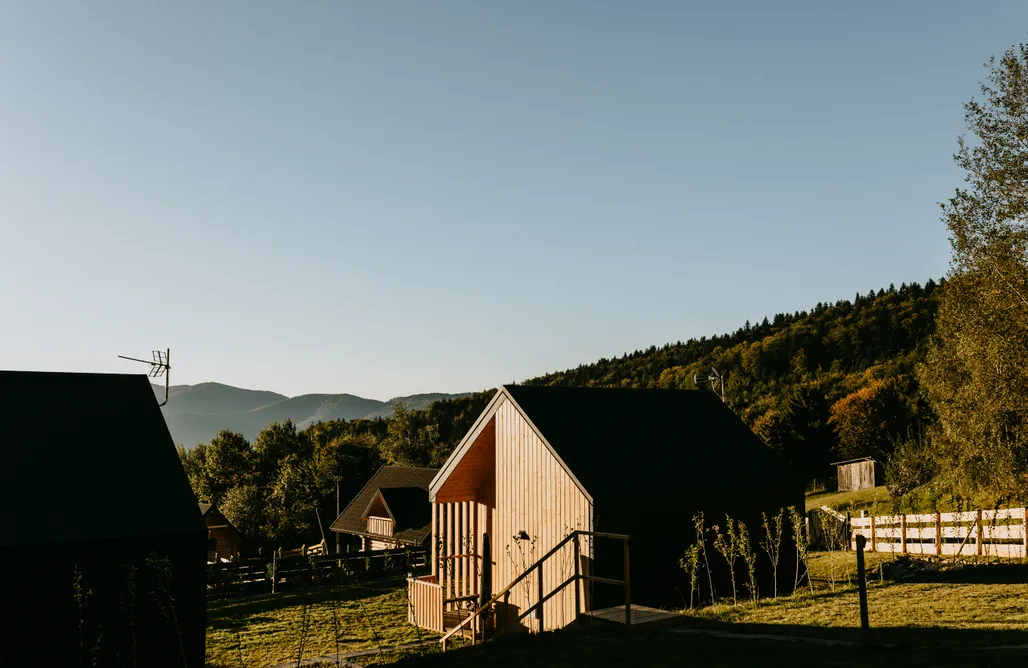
(254, 576)
(991, 533)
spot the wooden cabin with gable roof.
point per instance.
(392, 510)
(557, 476)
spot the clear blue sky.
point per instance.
(395, 197)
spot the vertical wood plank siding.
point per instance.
(381, 526)
(535, 495)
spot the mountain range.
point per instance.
(195, 413)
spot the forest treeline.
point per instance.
(832, 383)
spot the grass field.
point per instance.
(940, 617)
(968, 616)
(265, 630)
(853, 501)
(991, 599)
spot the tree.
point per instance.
(870, 421)
(227, 458)
(410, 442)
(976, 371)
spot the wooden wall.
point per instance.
(856, 476)
(535, 495)
(457, 530)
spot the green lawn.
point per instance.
(968, 616)
(865, 499)
(942, 617)
(990, 599)
(878, 501)
(264, 630)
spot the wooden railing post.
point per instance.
(938, 533)
(539, 608)
(628, 588)
(578, 603)
(872, 536)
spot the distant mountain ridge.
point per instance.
(196, 413)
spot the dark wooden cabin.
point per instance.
(94, 501)
(223, 540)
(392, 510)
(543, 462)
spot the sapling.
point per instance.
(725, 543)
(749, 555)
(690, 563)
(797, 525)
(772, 542)
(701, 540)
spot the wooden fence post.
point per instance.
(1024, 533)
(938, 533)
(978, 540)
(903, 534)
(862, 586)
(873, 542)
(849, 532)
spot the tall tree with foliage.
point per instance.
(976, 372)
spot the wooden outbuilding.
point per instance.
(101, 541)
(392, 510)
(558, 477)
(223, 540)
(856, 474)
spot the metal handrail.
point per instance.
(538, 564)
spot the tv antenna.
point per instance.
(715, 379)
(160, 365)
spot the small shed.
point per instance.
(857, 474)
(392, 510)
(223, 540)
(101, 539)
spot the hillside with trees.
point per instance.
(835, 382)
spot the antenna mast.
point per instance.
(160, 365)
(715, 379)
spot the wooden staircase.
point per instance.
(483, 618)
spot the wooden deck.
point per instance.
(641, 616)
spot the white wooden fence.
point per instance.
(992, 533)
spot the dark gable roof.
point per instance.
(405, 487)
(77, 446)
(648, 443)
(410, 507)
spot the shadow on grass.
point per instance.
(612, 645)
(226, 610)
(915, 570)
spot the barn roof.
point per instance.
(78, 445)
(619, 442)
(405, 491)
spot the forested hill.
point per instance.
(833, 382)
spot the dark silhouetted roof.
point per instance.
(87, 457)
(409, 506)
(405, 491)
(646, 442)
